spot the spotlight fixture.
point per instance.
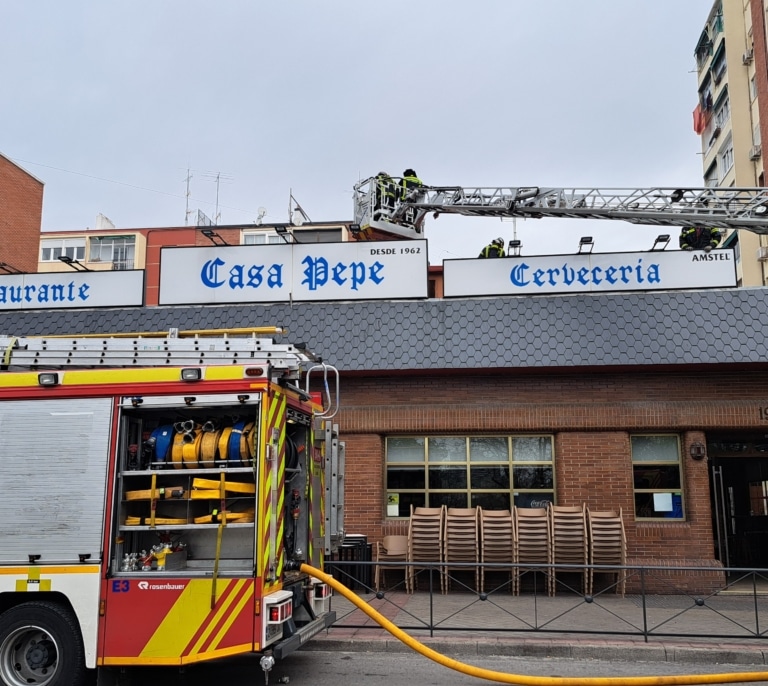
(586, 244)
(661, 242)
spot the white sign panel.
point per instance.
(60, 290)
(644, 271)
(364, 270)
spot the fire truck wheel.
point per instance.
(40, 644)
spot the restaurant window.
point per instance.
(493, 472)
(657, 477)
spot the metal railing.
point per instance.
(711, 603)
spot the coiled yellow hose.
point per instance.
(522, 679)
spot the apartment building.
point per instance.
(732, 112)
(21, 213)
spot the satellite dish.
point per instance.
(297, 220)
(262, 212)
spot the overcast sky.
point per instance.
(110, 103)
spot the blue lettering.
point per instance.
(254, 275)
(375, 270)
(275, 278)
(552, 274)
(236, 277)
(338, 270)
(654, 276)
(595, 275)
(610, 275)
(569, 276)
(210, 273)
(358, 274)
(624, 271)
(316, 273)
(582, 276)
(517, 275)
(537, 277)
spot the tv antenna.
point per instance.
(187, 211)
(296, 215)
(262, 212)
(218, 177)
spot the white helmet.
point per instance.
(498, 241)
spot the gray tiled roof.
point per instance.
(669, 328)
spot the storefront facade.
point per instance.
(649, 402)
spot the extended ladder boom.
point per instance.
(151, 350)
(723, 208)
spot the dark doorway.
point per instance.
(739, 490)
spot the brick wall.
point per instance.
(591, 417)
(21, 212)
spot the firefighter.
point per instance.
(699, 238)
(386, 191)
(409, 180)
(494, 249)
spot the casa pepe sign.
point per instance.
(362, 270)
(589, 273)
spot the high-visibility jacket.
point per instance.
(492, 250)
(407, 183)
(699, 237)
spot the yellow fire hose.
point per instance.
(523, 679)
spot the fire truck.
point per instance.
(383, 210)
(160, 495)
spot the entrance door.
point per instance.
(739, 489)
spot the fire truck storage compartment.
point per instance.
(177, 456)
(53, 471)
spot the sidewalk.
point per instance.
(540, 626)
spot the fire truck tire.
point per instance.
(41, 645)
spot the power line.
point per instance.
(123, 183)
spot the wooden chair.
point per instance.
(570, 542)
(607, 545)
(462, 541)
(391, 549)
(426, 535)
(497, 548)
(532, 544)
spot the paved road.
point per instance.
(331, 668)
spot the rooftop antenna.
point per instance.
(260, 218)
(187, 211)
(293, 206)
(218, 177)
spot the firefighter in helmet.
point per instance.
(386, 191)
(494, 249)
(699, 238)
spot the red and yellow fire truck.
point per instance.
(160, 494)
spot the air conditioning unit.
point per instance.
(748, 56)
(762, 253)
(755, 151)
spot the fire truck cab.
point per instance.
(160, 495)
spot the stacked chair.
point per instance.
(607, 545)
(497, 547)
(462, 542)
(570, 541)
(391, 549)
(532, 544)
(426, 537)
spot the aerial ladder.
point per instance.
(723, 208)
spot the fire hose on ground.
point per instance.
(523, 679)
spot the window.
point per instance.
(494, 472)
(53, 248)
(262, 238)
(657, 477)
(723, 113)
(119, 250)
(753, 87)
(725, 157)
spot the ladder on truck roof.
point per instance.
(723, 208)
(155, 349)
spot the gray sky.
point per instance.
(109, 103)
